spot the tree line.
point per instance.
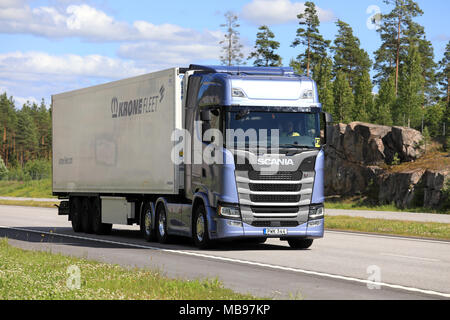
(26, 134)
(413, 89)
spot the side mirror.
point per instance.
(327, 120)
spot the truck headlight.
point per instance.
(228, 211)
(316, 212)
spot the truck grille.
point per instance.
(283, 224)
(275, 187)
(274, 198)
(280, 176)
(275, 209)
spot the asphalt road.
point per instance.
(340, 266)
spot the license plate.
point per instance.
(275, 232)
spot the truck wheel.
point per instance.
(200, 229)
(86, 217)
(96, 213)
(161, 226)
(300, 243)
(147, 228)
(75, 214)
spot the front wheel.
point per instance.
(300, 243)
(200, 229)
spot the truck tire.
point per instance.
(75, 214)
(147, 228)
(96, 213)
(86, 217)
(300, 243)
(161, 225)
(200, 232)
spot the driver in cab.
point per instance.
(290, 131)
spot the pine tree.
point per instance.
(444, 74)
(434, 117)
(363, 109)
(265, 47)
(348, 56)
(410, 91)
(384, 103)
(231, 46)
(308, 36)
(27, 138)
(392, 33)
(343, 99)
(7, 127)
(323, 76)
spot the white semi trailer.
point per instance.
(113, 157)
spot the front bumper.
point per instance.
(229, 229)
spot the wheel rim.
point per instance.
(162, 223)
(200, 228)
(148, 223)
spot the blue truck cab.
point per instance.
(270, 183)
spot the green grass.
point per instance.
(26, 189)
(29, 203)
(430, 230)
(361, 205)
(34, 275)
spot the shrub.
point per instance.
(3, 170)
(38, 169)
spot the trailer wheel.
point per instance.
(200, 229)
(300, 243)
(96, 213)
(75, 214)
(86, 217)
(161, 225)
(147, 228)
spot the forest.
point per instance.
(412, 88)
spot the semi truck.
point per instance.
(207, 152)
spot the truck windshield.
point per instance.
(295, 130)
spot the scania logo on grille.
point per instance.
(278, 162)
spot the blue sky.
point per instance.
(52, 46)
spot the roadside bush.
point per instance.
(3, 170)
(17, 174)
(38, 169)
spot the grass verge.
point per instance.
(27, 189)
(34, 275)
(429, 230)
(351, 204)
(28, 203)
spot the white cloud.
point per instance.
(170, 55)
(32, 64)
(11, 3)
(90, 24)
(271, 12)
(26, 75)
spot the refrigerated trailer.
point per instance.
(164, 151)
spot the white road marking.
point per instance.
(244, 262)
(409, 257)
(386, 237)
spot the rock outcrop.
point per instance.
(356, 153)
